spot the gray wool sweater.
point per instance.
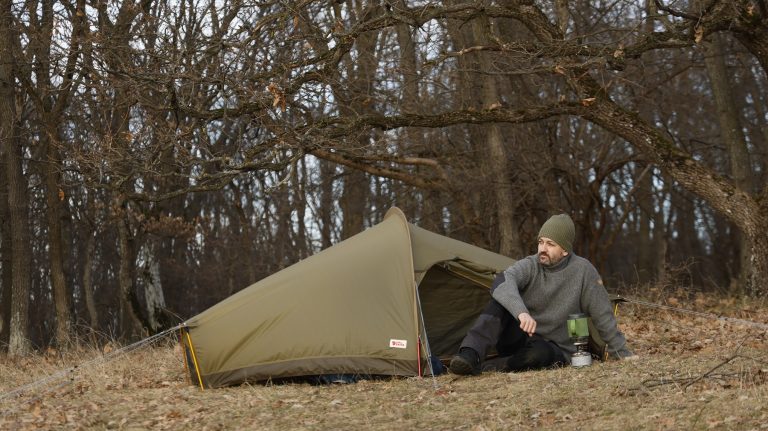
(550, 294)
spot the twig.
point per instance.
(707, 374)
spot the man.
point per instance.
(527, 318)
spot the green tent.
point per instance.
(379, 303)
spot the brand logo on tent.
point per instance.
(398, 344)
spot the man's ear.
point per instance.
(565, 253)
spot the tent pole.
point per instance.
(615, 314)
(194, 359)
(418, 354)
(423, 331)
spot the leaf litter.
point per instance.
(692, 372)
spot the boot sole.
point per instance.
(462, 367)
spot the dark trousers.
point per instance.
(496, 327)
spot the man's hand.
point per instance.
(527, 324)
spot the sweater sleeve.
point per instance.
(597, 304)
(508, 292)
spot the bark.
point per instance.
(88, 264)
(563, 15)
(51, 109)
(285, 250)
(130, 322)
(353, 202)
(651, 252)
(422, 207)
(479, 90)
(299, 179)
(54, 196)
(153, 286)
(731, 133)
(645, 212)
(6, 282)
(245, 239)
(759, 133)
(21, 269)
(327, 177)
(21, 264)
(660, 237)
(358, 100)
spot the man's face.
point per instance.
(549, 252)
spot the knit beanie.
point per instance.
(560, 229)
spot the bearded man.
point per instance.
(526, 321)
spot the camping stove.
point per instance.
(578, 331)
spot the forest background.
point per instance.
(159, 155)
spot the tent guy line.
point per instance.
(696, 313)
(69, 373)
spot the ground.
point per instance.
(694, 371)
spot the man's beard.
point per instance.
(550, 261)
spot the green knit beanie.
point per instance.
(560, 229)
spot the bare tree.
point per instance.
(6, 282)
(17, 187)
(732, 133)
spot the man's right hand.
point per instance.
(527, 324)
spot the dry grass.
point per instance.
(693, 373)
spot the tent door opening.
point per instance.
(450, 304)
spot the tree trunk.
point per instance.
(299, 179)
(359, 101)
(285, 251)
(130, 323)
(732, 135)
(53, 197)
(353, 202)
(90, 303)
(651, 247)
(661, 229)
(6, 282)
(153, 286)
(425, 202)
(17, 191)
(21, 263)
(480, 91)
(497, 163)
(327, 178)
(645, 213)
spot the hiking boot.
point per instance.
(466, 362)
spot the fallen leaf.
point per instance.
(698, 34)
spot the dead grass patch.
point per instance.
(693, 373)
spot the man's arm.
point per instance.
(597, 304)
(507, 292)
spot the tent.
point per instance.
(383, 302)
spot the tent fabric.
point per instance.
(349, 309)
